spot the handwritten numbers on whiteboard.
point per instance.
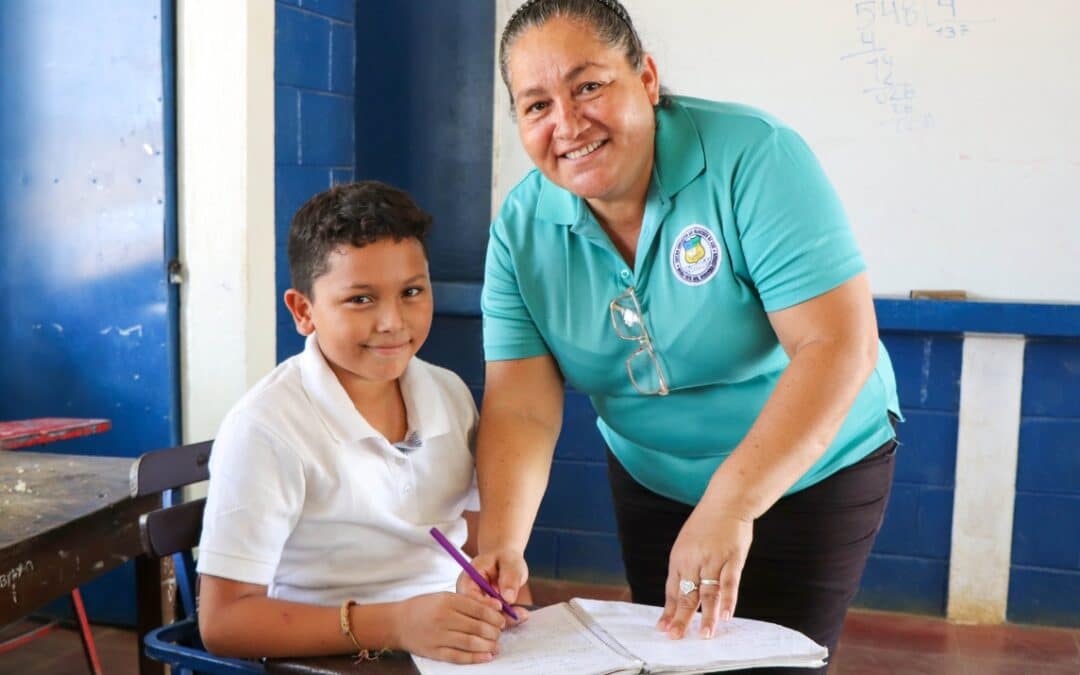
(876, 21)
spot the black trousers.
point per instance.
(806, 558)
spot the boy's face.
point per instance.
(372, 310)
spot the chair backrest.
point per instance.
(174, 530)
(170, 468)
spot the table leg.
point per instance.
(148, 590)
(89, 648)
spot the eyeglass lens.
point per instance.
(644, 371)
(626, 317)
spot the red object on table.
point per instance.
(41, 430)
(38, 431)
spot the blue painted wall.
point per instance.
(574, 537)
(88, 320)
(314, 109)
(1044, 584)
(423, 120)
(908, 568)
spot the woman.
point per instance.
(687, 265)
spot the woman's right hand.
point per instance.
(450, 627)
(504, 569)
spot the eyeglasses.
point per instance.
(642, 366)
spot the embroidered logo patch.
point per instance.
(695, 257)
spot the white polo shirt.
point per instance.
(308, 499)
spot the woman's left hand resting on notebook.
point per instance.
(238, 619)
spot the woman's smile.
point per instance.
(585, 151)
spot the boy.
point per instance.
(328, 474)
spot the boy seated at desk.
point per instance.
(326, 477)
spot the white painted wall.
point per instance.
(974, 188)
(225, 120)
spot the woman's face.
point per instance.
(585, 116)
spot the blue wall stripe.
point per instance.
(944, 316)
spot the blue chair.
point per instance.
(173, 530)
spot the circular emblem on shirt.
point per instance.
(695, 257)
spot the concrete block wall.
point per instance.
(1044, 582)
(914, 541)
(315, 112)
(574, 537)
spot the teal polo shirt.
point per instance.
(740, 220)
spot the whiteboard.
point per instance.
(950, 128)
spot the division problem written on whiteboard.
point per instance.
(883, 78)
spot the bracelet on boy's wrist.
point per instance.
(362, 654)
(346, 624)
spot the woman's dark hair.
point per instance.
(608, 18)
(354, 214)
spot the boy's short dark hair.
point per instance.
(355, 214)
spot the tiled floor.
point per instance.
(60, 652)
(873, 643)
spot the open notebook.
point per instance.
(595, 637)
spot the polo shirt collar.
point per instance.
(428, 415)
(679, 159)
(426, 411)
(556, 205)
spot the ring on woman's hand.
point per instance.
(686, 587)
(709, 582)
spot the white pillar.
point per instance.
(986, 456)
(225, 125)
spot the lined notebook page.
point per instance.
(736, 641)
(553, 640)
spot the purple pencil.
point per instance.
(472, 571)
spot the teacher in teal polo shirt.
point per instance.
(686, 264)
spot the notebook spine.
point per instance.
(595, 628)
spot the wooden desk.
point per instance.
(40, 430)
(67, 519)
(398, 663)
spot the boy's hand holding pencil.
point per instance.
(449, 627)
